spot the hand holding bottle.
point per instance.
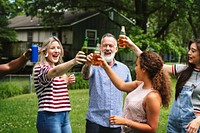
(127, 41)
(96, 54)
(85, 46)
(121, 37)
(80, 58)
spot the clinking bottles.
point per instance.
(85, 46)
(96, 54)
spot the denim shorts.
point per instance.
(53, 122)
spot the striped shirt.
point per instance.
(52, 93)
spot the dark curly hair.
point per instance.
(153, 63)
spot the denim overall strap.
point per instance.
(182, 111)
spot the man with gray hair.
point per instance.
(105, 99)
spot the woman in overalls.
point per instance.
(184, 116)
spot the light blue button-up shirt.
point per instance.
(105, 99)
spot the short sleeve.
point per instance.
(42, 76)
(179, 68)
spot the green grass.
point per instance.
(18, 114)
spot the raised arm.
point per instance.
(61, 69)
(117, 81)
(137, 52)
(86, 68)
(168, 68)
(131, 45)
(15, 65)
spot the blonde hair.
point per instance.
(46, 44)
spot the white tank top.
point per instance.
(133, 107)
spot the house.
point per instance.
(75, 26)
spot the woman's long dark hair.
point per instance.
(184, 75)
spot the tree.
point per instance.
(8, 10)
(160, 24)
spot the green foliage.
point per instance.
(147, 41)
(18, 86)
(80, 83)
(163, 26)
(8, 10)
(9, 90)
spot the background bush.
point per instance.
(80, 83)
(10, 87)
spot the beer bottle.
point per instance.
(85, 46)
(122, 34)
(96, 54)
(97, 45)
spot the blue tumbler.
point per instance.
(34, 53)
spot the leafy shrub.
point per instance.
(20, 85)
(8, 89)
(80, 83)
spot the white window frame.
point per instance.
(91, 38)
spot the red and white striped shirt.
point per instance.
(52, 93)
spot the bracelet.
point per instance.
(24, 54)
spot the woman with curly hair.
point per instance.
(184, 116)
(146, 94)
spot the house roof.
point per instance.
(70, 18)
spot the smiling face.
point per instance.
(108, 48)
(194, 55)
(53, 52)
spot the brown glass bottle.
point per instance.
(121, 36)
(96, 54)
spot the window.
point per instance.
(92, 35)
(30, 37)
(53, 33)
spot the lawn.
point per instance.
(18, 114)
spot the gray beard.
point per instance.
(108, 58)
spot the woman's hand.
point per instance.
(104, 64)
(116, 120)
(193, 126)
(71, 79)
(80, 58)
(125, 40)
